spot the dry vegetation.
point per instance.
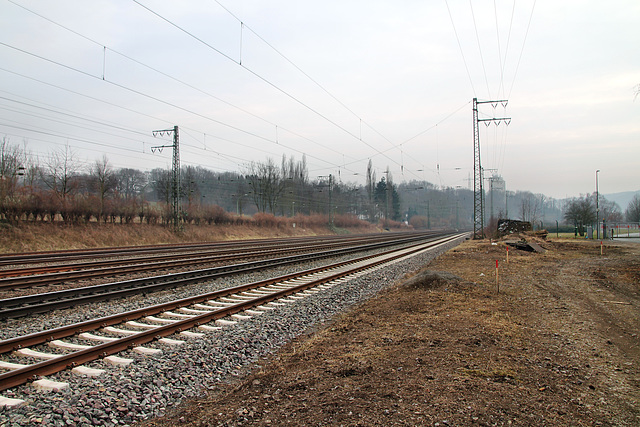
(28, 237)
(557, 346)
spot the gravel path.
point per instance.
(152, 385)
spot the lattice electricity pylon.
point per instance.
(175, 173)
(478, 192)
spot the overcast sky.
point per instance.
(339, 81)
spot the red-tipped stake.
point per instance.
(497, 281)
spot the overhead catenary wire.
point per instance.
(464, 59)
(154, 98)
(484, 70)
(314, 81)
(506, 51)
(268, 82)
(104, 61)
(495, 12)
(94, 121)
(174, 78)
(526, 33)
(498, 149)
(278, 139)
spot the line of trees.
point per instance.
(582, 211)
(59, 188)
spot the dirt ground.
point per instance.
(558, 345)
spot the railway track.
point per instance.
(139, 329)
(11, 279)
(64, 256)
(44, 302)
(26, 258)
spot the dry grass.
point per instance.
(30, 237)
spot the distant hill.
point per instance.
(622, 199)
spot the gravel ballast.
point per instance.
(152, 385)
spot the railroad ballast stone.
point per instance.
(153, 385)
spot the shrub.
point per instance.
(419, 222)
(349, 221)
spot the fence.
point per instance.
(623, 230)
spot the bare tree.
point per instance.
(10, 168)
(529, 208)
(370, 189)
(161, 183)
(104, 181)
(580, 212)
(59, 172)
(130, 182)
(609, 211)
(267, 184)
(632, 213)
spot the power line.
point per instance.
(495, 12)
(172, 77)
(506, 50)
(154, 98)
(480, 48)
(268, 82)
(93, 98)
(522, 50)
(343, 165)
(134, 111)
(70, 115)
(182, 82)
(464, 60)
(244, 25)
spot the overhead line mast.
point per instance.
(175, 172)
(478, 192)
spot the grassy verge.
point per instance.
(46, 236)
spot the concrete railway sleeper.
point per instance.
(138, 329)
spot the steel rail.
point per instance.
(71, 254)
(75, 254)
(20, 376)
(184, 253)
(24, 271)
(20, 278)
(41, 303)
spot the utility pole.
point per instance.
(175, 172)
(478, 192)
(330, 200)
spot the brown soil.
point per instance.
(558, 345)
